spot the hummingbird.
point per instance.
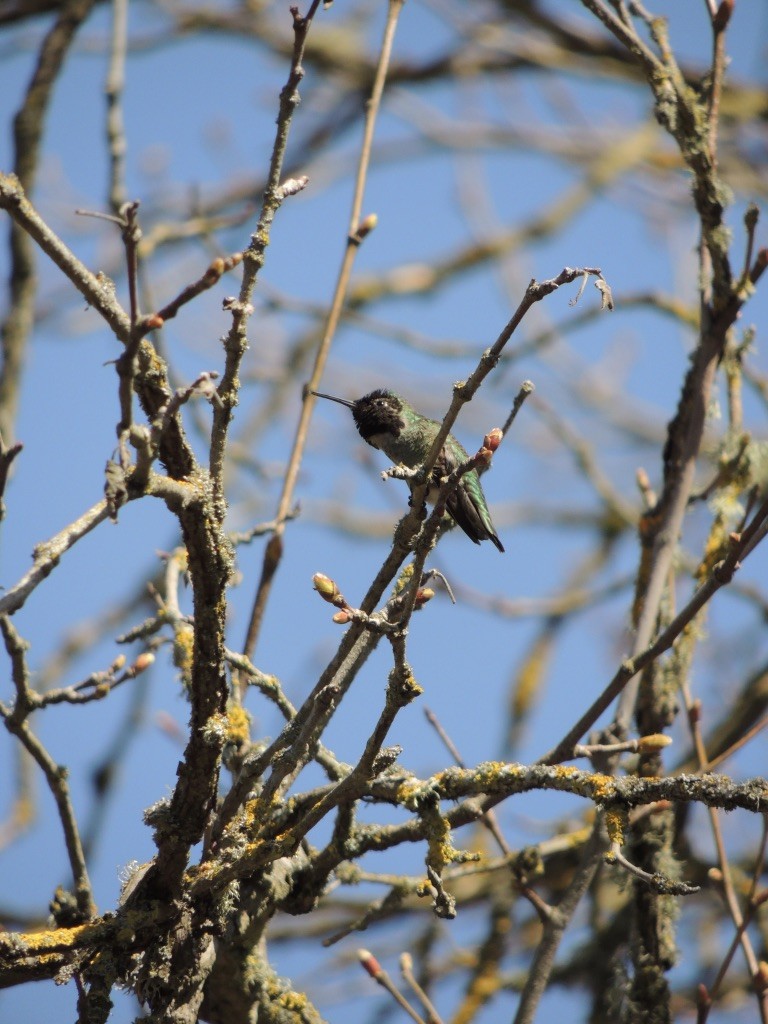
(387, 422)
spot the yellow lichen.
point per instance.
(488, 773)
(183, 650)
(603, 787)
(51, 939)
(404, 578)
(238, 724)
(616, 819)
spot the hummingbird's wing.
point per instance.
(470, 514)
(466, 504)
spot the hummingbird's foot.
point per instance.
(402, 472)
(422, 511)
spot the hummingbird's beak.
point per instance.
(331, 398)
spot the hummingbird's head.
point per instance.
(376, 414)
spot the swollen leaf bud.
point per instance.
(325, 587)
(653, 742)
(723, 15)
(493, 438)
(293, 185)
(144, 660)
(366, 226)
(369, 962)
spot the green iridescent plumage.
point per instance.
(387, 422)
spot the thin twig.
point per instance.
(221, 265)
(540, 968)
(380, 976)
(464, 391)
(7, 455)
(739, 743)
(490, 821)
(28, 125)
(254, 256)
(741, 937)
(116, 142)
(16, 722)
(274, 549)
(406, 969)
(721, 575)
(717, 74)
(47, 555)
(659, 883)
